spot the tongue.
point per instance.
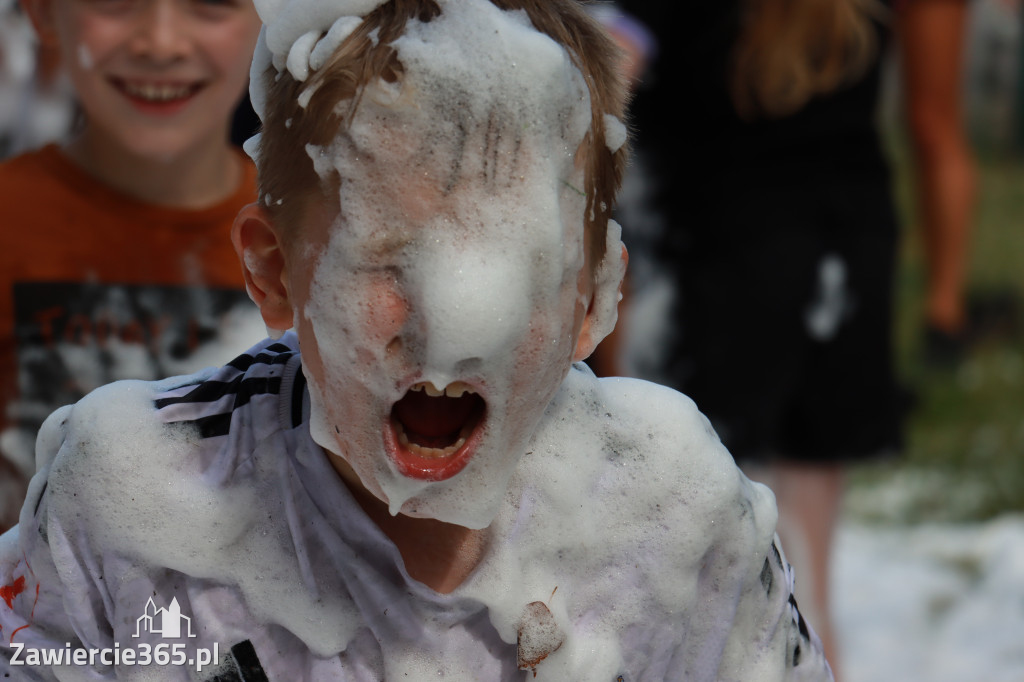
(434, 418)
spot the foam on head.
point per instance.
(299, 35)
(314, 67)
(462, 194)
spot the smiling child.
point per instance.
(117, 261)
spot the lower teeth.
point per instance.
(424, 451)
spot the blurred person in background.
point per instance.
(35, 97)
(932, 34)
(766, 199)
(117, 260)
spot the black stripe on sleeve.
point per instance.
(242, 665)
(214, 425)
(211, 391)
(248, 662)
(274, 354)
(298, 393)
(801, 623)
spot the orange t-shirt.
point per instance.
(97, 286)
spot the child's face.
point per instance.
(158, 78)
(441, 295)
(473, 287)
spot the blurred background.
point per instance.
(929, 565)
(928, 562)
(928, 556)
(965, 456)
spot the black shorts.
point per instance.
(783, 320)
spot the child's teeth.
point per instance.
(452, 390)
(422, 451)
(156, 93)
(455, 390)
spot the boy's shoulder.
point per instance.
(626, 462)
(109, 462)
(139, 460)
(626, 513)
(637, 436)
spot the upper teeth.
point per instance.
(452, 390)
(155, 92)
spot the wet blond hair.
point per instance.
(788, 51)
(286, 173)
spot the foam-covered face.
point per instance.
(432, 347)
(443, 309)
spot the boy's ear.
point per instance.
(260, 251)
(585, 344)
(41, 14)
(603, 309)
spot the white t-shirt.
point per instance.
(198, 514)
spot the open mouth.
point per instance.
(156, 94)
(434, 429)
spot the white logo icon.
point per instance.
(163, 622)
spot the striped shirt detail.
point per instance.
(211, 401)
(240, 387)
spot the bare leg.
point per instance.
(809, 497)
(931, 37)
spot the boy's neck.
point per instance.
(195, 179)
(440, 555)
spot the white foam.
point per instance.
(669, 496)
(615, 133)
(164, 512)
(298, 55)
(490, 232)
(306, 95)
(832, 301)
(286, 21)
(607, 284)
(261, 62)
(252, 147)
(457, 256)
(339, 31)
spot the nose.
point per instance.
(161, 31)
(472, 306)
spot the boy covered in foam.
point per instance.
(431, 488)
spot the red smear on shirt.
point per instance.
(31, 616)
(9, 592)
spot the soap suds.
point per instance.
(456, 259)
(298, 55)
(615, 133)
(468, 227)
(340, 30)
